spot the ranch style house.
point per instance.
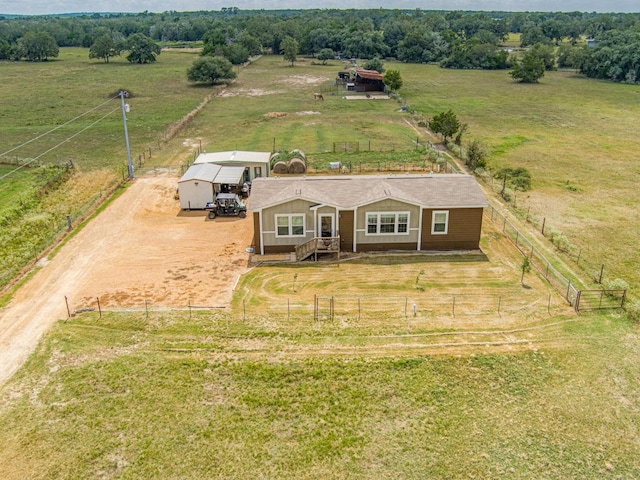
(366, 213)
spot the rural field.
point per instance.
(423, 367)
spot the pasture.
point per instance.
(249, 392)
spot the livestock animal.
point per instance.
(318, 96)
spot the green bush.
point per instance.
(633, 311)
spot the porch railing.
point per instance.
(318, 245)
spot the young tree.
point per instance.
(141, 49)
(37, 46)
(289, 47)
(476, 154)
(525, 267)
(393, 80)
(104, 47)
(374, 64)
(445, 123)
(547, 54)
(528, 70)
(210, 70)
(325, 54)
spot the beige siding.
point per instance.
(293, 207)
(387, 206)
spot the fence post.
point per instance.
(568, 288)
(532, 248)
(288, 310)
(66, 301)
(499, 302)
(453, 307)
(358, 309)
(99, 308)
(578, 259)
(244, 310)
(601, 272)
(544, 220)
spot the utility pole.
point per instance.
(125, 109)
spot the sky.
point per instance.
(41, 7)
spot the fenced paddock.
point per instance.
(562, 281)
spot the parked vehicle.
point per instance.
(226, 205)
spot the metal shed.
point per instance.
(255, 164)
(200, 183)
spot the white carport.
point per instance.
(255, 164)
(200, 183)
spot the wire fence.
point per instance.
(508, 309)
(594, 270)
(562, 281)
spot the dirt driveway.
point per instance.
(142, 248)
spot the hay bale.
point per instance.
(280, 168)
(274, 158)
(297, 153)
(297, 165)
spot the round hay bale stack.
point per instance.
(280, 168)
(297, 153)
(297, 165)
(274, 158)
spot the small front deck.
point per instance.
(318, 245)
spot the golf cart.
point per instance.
(226, 205)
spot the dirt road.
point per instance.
(141, 248)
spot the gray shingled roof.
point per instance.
(346, 192)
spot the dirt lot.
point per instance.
(141, 248)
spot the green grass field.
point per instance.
(221, 395)
(169, 396)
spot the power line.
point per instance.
(53, 130)
(56, 146)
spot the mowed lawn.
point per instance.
(171, 395)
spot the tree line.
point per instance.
(453, 39)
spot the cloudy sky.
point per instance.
(37, 7)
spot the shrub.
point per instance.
(633, 311)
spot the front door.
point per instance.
(327, 226)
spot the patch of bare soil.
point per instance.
(248, 92)
(141, 250)
(303, 80)
(286, 114)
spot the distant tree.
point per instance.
(211, 70)
(37, 46)
(546, 53)
(476, 155)
(104, 47)
(236, 53)
(5, 50)
(571, 56)
(325, 54)
(445, 123)
(141, 48)
(393, 80)
(529, 69)
(289, 47)
(374, 64)
(532, 34)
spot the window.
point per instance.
(289, 225)
(387, 223)
(257, 172)
(439, 222)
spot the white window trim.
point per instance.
(433, 222)
(290, 216)
(395, 224)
